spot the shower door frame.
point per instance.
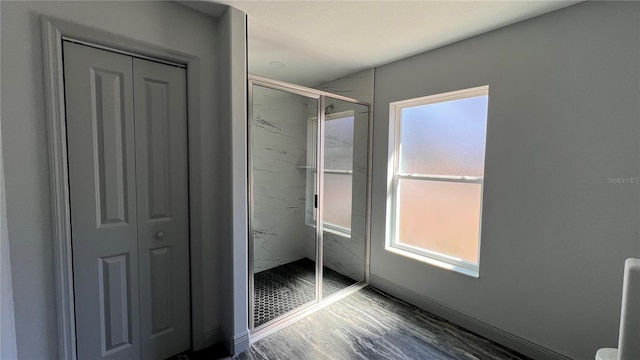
(318, 303)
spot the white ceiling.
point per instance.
(318, 41)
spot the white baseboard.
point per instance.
(502, 337)
(238, 343)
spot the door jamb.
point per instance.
(53, 32)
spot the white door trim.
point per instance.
(53, 32)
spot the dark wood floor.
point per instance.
(370, 325)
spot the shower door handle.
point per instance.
(315, 201)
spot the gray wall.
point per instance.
(25, 154)
(563, 118)
(7, 321)
(232, 196)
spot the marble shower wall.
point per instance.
(346, 255)
(279, 152)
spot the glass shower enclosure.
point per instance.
(309, 183)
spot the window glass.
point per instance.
(337, 200)
(440, 216)
(444, 138)
(338, 144)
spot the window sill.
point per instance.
(337, 232)
(474, 273)
(340, 233)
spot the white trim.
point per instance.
(337, 229)
(236, 343)
(241, 341)
(481, 328)
(338, 172)
(393, 182)
(53, 32)
(448, 96)
(447, 178)
(333, 229)
(123, 52)
(61, 213)
(436, 259)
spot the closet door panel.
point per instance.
(163, 234)
(102, 178)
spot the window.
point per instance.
(338, 173)
(437, 147)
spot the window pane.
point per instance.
(338, 143)
(443, 217)
(337, 199)
(446, 138)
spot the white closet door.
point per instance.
(162, 183)
(128, 180)
(102, 178)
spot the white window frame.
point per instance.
(392, 236)
(327, 226)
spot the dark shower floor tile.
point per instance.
(286, 287)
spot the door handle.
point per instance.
(159, 235)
